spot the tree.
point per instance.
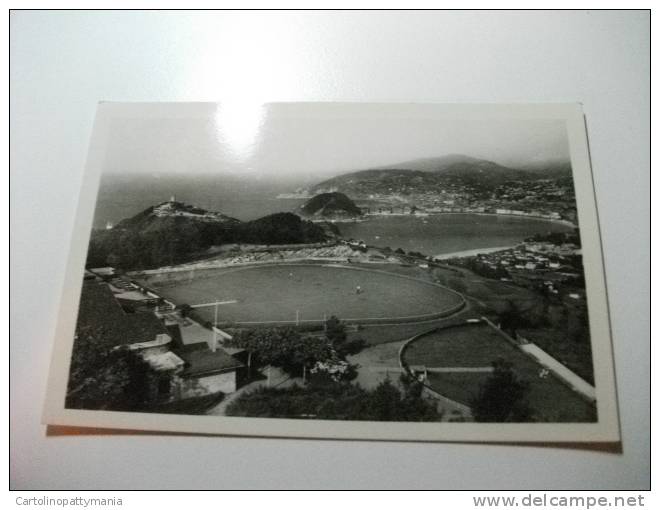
(511, 318)
(502, 397)
(268, 345)
(307, 351)
(105, 378)
(577, 325)
(283, 347)
(385, 403)
(335, 332)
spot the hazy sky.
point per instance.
(317, 143)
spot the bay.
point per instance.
(447, 233)
(122, 196)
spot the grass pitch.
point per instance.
(284, 293)
(479, 345)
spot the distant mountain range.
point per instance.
(173, 232)
(422, 174)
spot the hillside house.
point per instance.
(102, 320)
(209, 371)
(178, 370)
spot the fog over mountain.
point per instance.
(428, 173)
(449, 162)
(309, 143)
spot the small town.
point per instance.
(552, 199)
(540, 265)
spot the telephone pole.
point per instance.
(215, 334)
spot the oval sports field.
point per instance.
(286, 293)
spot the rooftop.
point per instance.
(200, 360)
(163, 361)
(102, 318)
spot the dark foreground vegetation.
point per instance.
(502, 397)
(326, 391)
(324, 399)
(104, 378)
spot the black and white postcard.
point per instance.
(337, 270)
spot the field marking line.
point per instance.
(379, 369)
(202, 305)
(449, 370)
(410, 318)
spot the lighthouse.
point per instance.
(172, 198)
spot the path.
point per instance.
(560, 370)
(377, 363)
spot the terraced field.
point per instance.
(478, 345)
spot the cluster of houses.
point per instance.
(536, 190)
(538, 263)
(424, 211)
(186, 359)
(543, 198)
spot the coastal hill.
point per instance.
(420, 175)
(173, 232)
(332, 205)
(154, 218)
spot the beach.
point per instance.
(470, 253)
